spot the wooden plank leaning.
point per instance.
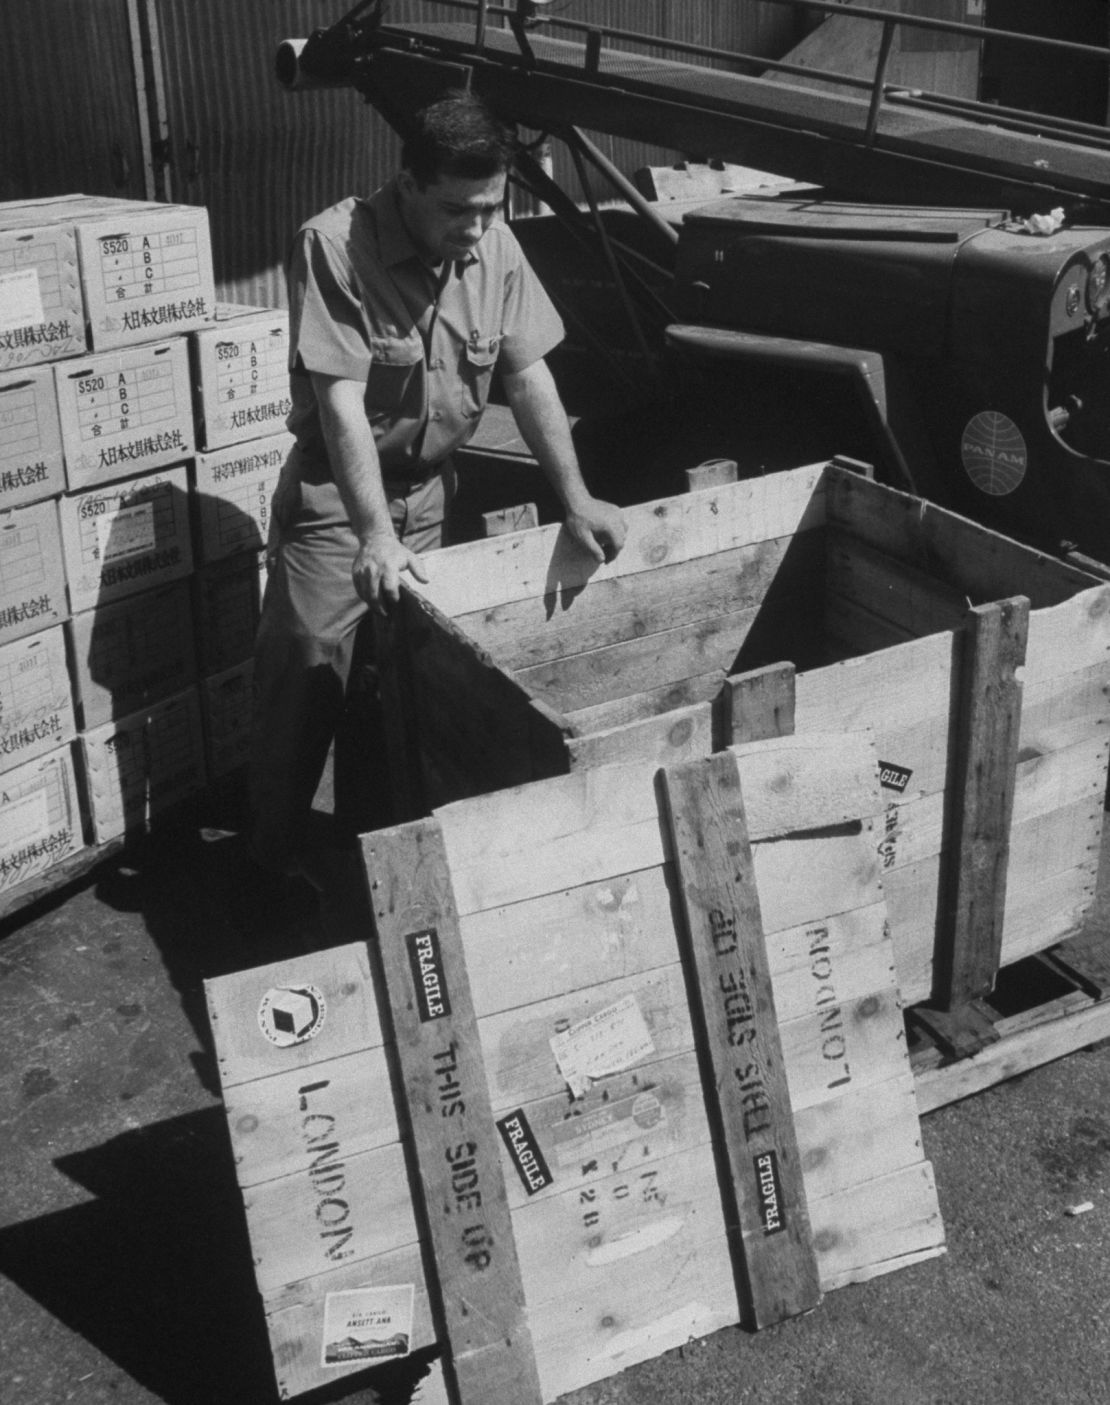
(773, 1242)
(989, 721)
(455, 1148)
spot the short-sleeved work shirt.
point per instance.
(365, 307)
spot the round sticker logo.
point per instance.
(647, 1110)
(994, 453)
(292, 1014)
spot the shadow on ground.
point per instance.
(155, 1271)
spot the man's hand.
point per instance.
(377, 568)
(598, 526)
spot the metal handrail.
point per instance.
(876, 86)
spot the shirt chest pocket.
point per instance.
(479, 356)
(395, 384)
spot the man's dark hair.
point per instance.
(457, 135)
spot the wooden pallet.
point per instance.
(615, 1073)
(1041, 1009)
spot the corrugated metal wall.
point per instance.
(68, 113)
(261, 160)
(746, 27)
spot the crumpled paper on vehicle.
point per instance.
(1044, 224)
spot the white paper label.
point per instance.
(609, 1041)
(128, 532)
(367, 1324)
(23, 821)
(20, 300)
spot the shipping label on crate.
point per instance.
(40, 818)
(31, 462)
(126, 537)
(36, 707)
(132, 653)
(226, 699)
(367, 1324)
(147, 273)
(143, 764)
(241, 375)
(42, 314)
(32, 575)
(234, 491)
(125, 412)
(228, 604)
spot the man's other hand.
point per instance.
(599, 527)
(377, 569)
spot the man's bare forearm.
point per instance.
(596, 525)
(353, 456)
(542, 421)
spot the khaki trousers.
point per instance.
(306, 642)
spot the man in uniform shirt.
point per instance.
(401, 305)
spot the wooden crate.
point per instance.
(715, 968)
(981, 667)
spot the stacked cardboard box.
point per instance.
(241, 387)
(142, 436)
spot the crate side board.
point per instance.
(545, 562)
(951, 549)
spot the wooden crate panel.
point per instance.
(266, 1116)
(541, 628)
(528, 664)
(624, 1242)
(339, 1209)
(481, 575)
(953, 550)
(902, 694)
(346, 1020)
(295, 1317)
(616, 670)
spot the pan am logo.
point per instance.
(994, 453)
(292, 1014)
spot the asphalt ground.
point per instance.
(125, 1271)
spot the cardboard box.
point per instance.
(133, 653)
(234, 489)
(241, 375)
(226, 699)
(125, 412)
(228, 602)
(32, 573)
(126, 537)
(36, 702)
(139, 766)
(146, 268)
(40, 818)
(524, 658)
(42, 313)
(31, 462)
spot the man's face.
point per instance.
(448, 217)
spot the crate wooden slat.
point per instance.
(737, 1006)
(565, 896)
